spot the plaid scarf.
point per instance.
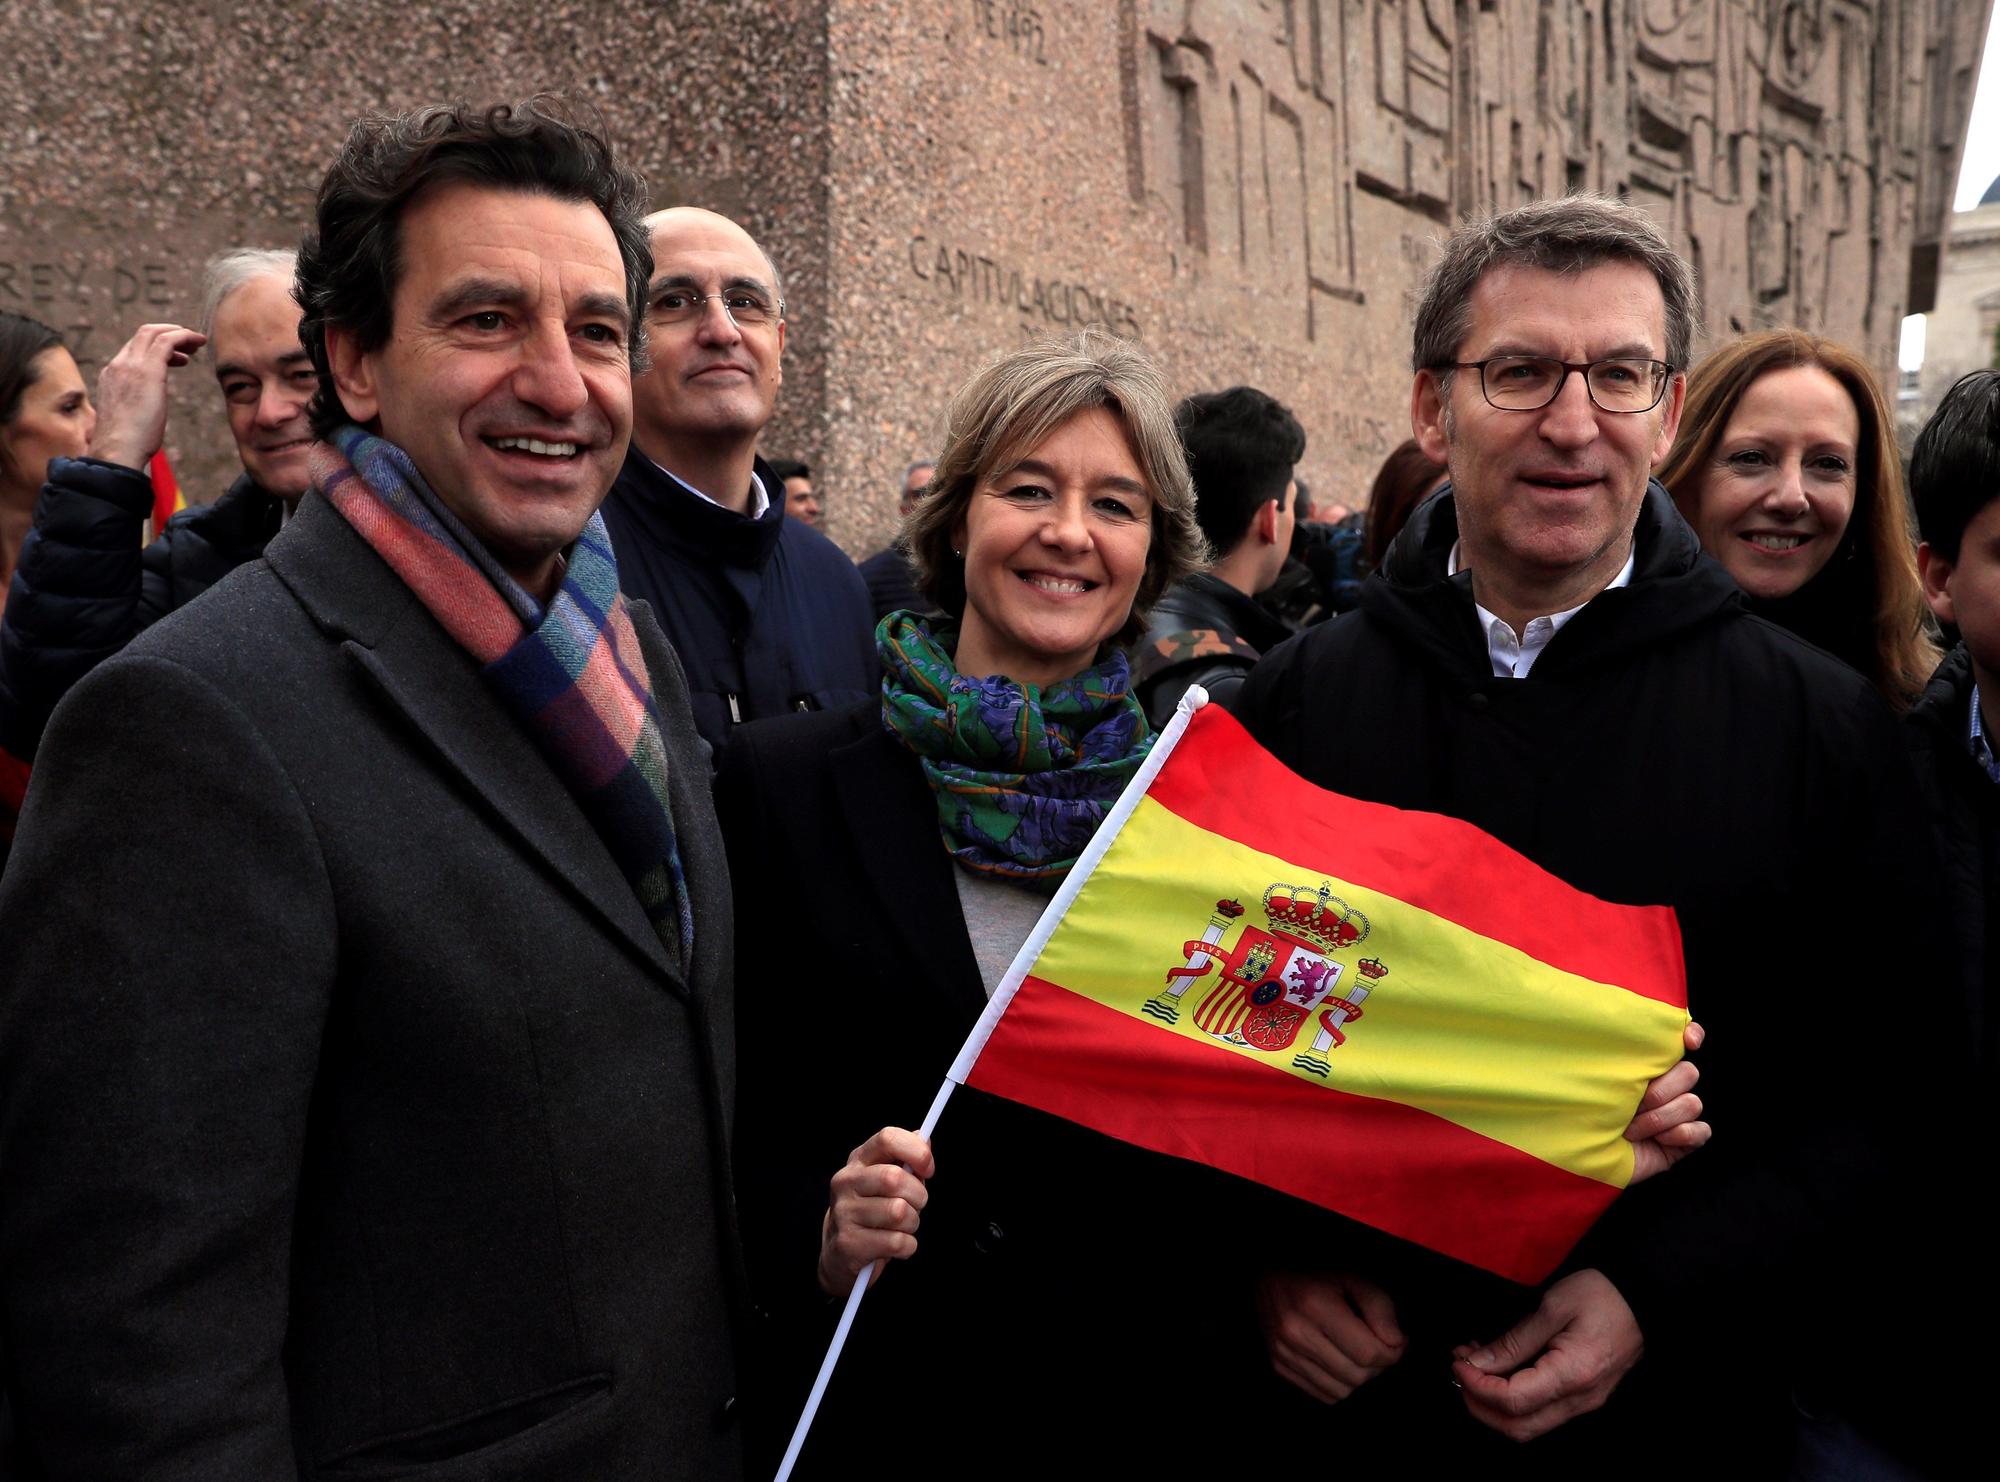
(1022, 774)
(571, 674)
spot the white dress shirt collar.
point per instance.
(760, 497)
(1513, 654)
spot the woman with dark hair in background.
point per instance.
(1405, 477)
(45, 414)
(1786, 466)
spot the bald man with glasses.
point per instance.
(769, 616)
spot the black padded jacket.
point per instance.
(86, 585)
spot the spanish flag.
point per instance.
(1388, 1013)
(168, 500)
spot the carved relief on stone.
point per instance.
(1784, 144)
(1243, 140)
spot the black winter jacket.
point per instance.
(1201, 631)
(1965, 816)
(84, 587)
(1668, 748)
(768, 616)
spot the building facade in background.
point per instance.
(1252, 187)
(1962, 331)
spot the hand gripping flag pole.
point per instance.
(1121, 811)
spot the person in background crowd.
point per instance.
(802, 502)
(1207, 629)
(892, 583)
(1331, 556)
(768, 615)
(1786, 466)
(366, 1048)
(1304, 508)
(1403, 481)
(1545, 654)
(1955, 482)
(45, 414)
(87, 587)
(1334, 513)
(1323, 573)
(1925, 1417)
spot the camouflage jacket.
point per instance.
(1202, 631)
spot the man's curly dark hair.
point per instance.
(350, 261)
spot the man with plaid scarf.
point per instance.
(413, 1155)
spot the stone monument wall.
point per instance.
(1254, 188)
(140, 137)
(1251, 187)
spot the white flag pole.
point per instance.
(1121, 811)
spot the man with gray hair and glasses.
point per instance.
(768, 615)
(85, 586)
(1547, 654)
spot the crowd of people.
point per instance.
(494, 889)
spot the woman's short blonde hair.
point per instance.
(1009, 407)
(1879, 534)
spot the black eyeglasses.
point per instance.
(746, 307)
(1527, 383)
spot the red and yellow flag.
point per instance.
(168, 500)
(1388, 1013)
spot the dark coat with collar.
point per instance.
(83, 587)
(1063, 1283)
(353, 1120)
(1667, 748)
(769, 617)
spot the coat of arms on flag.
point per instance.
(1273, 983)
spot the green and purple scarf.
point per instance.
(1022, 774)
(571, 674)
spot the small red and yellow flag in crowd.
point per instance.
(1388, 1013)
(167, 497)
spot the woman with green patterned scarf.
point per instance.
(890, 860)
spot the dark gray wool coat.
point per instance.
(353, 1121)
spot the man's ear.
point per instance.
(1670, 423)
(1934, 571)
(1265, 522)
(1427, 415)
(353, 375)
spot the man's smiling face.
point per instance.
(505, 376)
(1551, 496)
